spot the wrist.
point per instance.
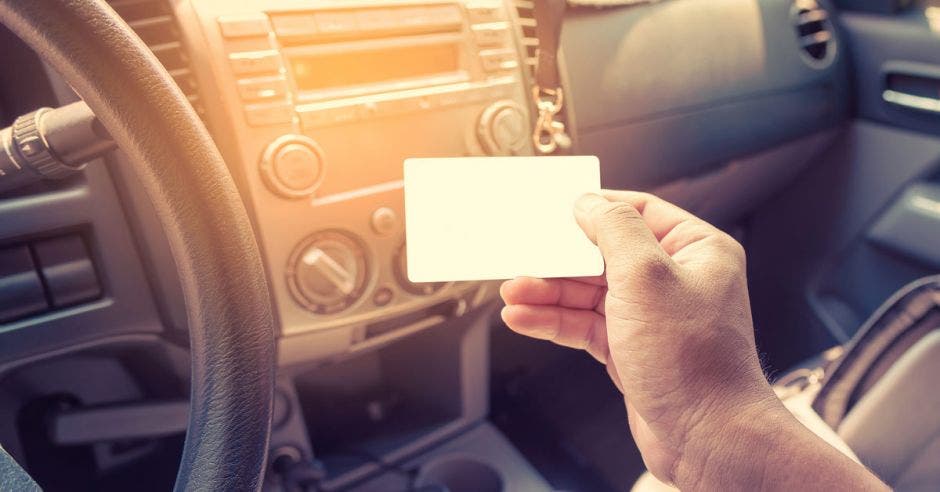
(737, 447)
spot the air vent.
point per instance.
(154, 22)
(815, 32)
(529, 41)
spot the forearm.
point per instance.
(770, 450)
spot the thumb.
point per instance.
(628, 245)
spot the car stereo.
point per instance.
(317, 104)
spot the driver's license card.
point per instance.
(488, 218)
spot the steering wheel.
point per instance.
(228, 303)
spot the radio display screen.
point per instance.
(323, 71)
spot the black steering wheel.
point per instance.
(229, 308)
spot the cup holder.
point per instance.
(456, 473)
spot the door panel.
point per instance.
(817, 270)
(886, 50)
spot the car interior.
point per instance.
(203, 278)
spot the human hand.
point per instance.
(671, 320)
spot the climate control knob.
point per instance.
(328, 272)
(502, 128)
(293, 166)
(401, 271)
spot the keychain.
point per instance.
(549, 134)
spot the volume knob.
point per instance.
(293, 166)
(503, 128)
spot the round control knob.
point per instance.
(328, 272)
(401, 272)
(502, 128)
(293, 166)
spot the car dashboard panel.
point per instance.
(316, 104)
(672, 89)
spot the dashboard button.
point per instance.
(446, 15)
(494, 34)
(376, 20)
(343, 114)
(383, 296)
(253, 62)
(68, 270)
(269, 114)
(244, 25)
(415, 17)
(19, 282)
(313, 118)
(297, 166)
(295, 25)
(484, 12)
(293, 166)
(496, 60)
(502, 128)
(384, 221)
(262, 87)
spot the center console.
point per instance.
(316, 105)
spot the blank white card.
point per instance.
(488, 218)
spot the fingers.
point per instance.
(562, 292)
(660, 216)
(575, 328)
(674, 227)
(629, 247)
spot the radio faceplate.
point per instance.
(316, 106)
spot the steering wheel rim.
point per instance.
(228, 303)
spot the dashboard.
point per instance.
(319, 106)
(716, 105)
(316, 104)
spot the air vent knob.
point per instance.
(328, 272)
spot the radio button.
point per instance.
(415, 17)
(502, 128)
(244, 25)
(490, 34)
(294, 25)
(311, 119)
(297, 166)
(496, 60)
(446, 15)
(384, 221)
(336, 22)
(262, 87)
(269, 114)
(293, 166)
(452, 98)
(484, 12)
(254, 62)
(376, 20)
(343, 115)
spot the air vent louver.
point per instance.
(814, 30)
(529, 41)
(154, 22)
